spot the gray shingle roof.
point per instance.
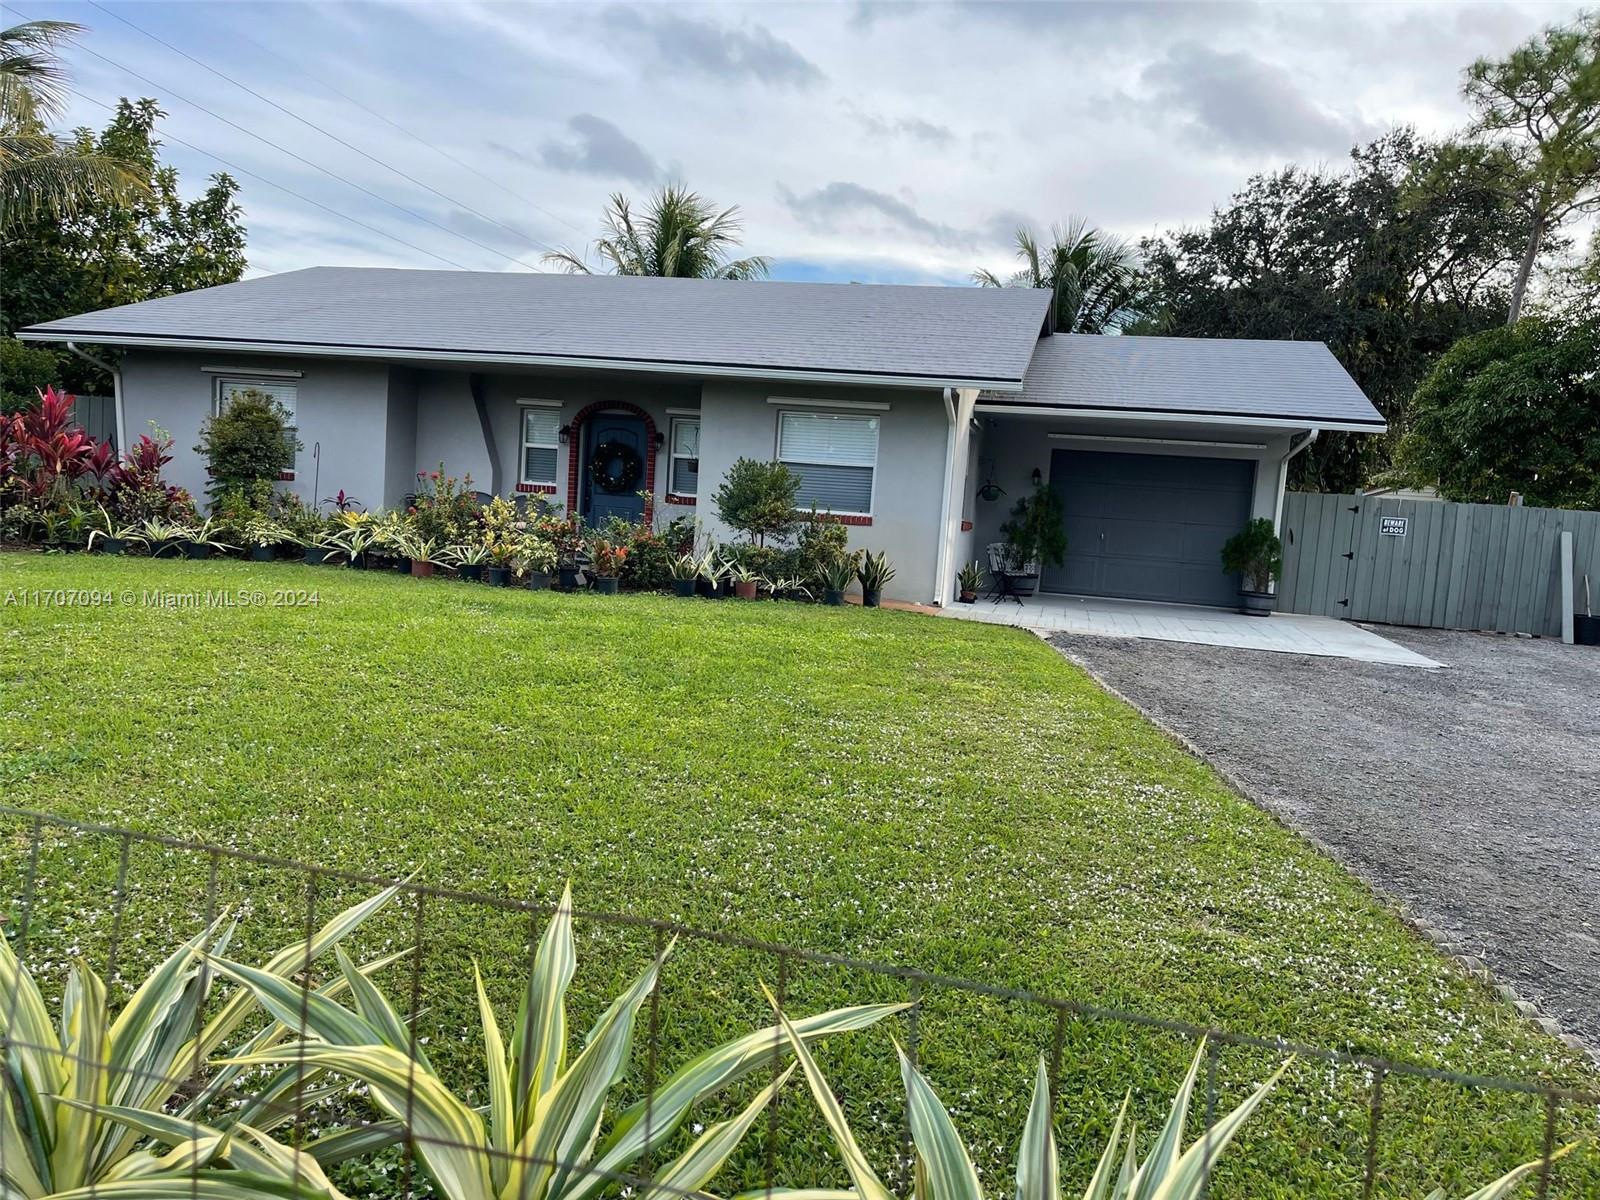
(940, 335)
(1190, 376)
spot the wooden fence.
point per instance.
(97, 414)
(1433, 563)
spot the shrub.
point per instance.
(445, 508)
(134, 488)
(822, 541)
(1036, 533)
(44, 456)
(758, 499)
(249, 441)
(25, 372)
(1254, 552)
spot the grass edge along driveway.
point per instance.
(939, 794)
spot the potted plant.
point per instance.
(608, 558)
(713, 571)
(837, 576)
(264, 535)
(110, 537)
(1035, 536)
(165, 538)
(968, 580)
(468, 560)
(200, 540)
(685, 571)
(536, 559)
(744, 580)
(1585, 625)
(421, 552)
(1256, 554)
(65, 529)
(874, 572)
(351, 542)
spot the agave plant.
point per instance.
(944, 1169)
(539, 1137)
(81, 1094)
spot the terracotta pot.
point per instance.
(968, 597)
(420, 569)
(745, 589)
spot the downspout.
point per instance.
(116, 390)
(475, 385)
(1283, 482)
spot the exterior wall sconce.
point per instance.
(564, 434)
(1037, 478)
(661, 439)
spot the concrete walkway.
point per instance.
(1287, 633)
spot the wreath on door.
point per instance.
(615, 468)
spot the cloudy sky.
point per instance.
(885, 142)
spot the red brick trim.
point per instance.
(966, 527)
(286, 476)
(539, 489)
(683, 501)
(575, 444)
(846, 519)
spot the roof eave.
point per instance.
(485, 358)
(1142, 414)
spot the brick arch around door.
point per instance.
(575, 448)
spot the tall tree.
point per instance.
(1540, 109)
(1511, 409)
(39, 174)
(679, 234)
(1094, 277)
(1388, 261)
(120, 250)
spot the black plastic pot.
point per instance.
(403, 565)
(1257, 604)
(1585, 630)
(684, 587)
(110, 545)
(568, 578)
(499, 576)
(315, 556)
(871, 599)
(166, 548)
(263, 553)
(538, 581)
(606, 585)
(63, 547)
(473, 572)
(832, 598)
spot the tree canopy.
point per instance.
(1511, 409)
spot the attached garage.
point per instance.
(1149, 526)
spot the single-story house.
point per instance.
(916, 415)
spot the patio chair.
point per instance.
(1003, 576)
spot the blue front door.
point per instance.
(613, 469)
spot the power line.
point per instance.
(290, 191)
(285, 150)
(416, 137)
(517, 233)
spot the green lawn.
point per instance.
(882, 785)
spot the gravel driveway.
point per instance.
(1472, 794)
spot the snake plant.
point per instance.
(539, 1138)
(80, 1094)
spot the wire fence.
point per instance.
(427, 1114)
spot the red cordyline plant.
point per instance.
(45, 455)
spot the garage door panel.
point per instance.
(1149, 526)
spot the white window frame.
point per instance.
(524, 445)
(673, 456)
(877, 446)
(268, 384)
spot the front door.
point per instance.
(613, 468)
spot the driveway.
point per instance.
(1472, 793)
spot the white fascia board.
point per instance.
(482, 360)
(1123, 414)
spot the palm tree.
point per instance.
(38, 172)
(1094, 276)
(679, 235)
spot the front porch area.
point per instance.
(1286, 633)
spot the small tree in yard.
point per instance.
(250, 440)
(758, 499)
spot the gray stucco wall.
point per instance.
(740, 421)
(341, 416)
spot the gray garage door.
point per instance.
(1149, 526)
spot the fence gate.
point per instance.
(1433, 563)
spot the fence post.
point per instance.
(1569, 602)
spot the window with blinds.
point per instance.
(541, 434)
(685, 475)
(282, 392)
(836, 457)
